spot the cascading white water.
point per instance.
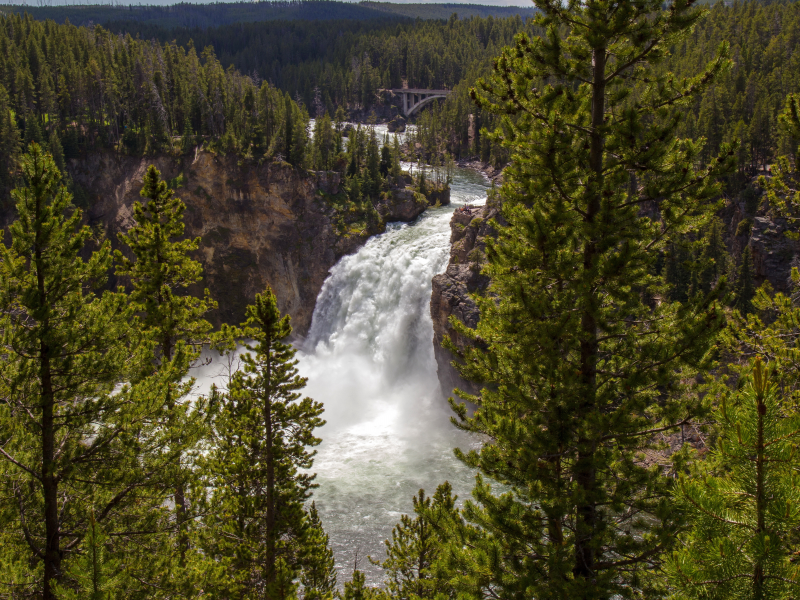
(369, 358)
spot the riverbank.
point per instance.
(493, 173)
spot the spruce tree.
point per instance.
(417, 546)
(257, 526)
(743, 502)
(173, 320)
(64, 414)
(580, 365)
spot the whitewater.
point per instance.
(368, 357)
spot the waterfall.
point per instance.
(369, 358)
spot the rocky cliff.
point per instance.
(260, 222)
(748, 223)
(451, 290)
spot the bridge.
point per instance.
(413, 100)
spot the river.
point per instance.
(369, 359)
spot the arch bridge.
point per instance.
(415, 99)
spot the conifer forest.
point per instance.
(602, 306)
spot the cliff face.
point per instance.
(260, 224)
(451, 289)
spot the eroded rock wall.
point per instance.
(260, 223)
(451, 290)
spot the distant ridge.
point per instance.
(224, 13)
(443, 11)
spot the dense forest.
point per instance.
(618, 314)
(223, 13)
(304, 59)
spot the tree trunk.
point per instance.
(271, 551)
(180, 495)
(52, 552)
(758, 571)
(585, 470)
(52, 560)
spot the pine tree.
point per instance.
(713, 258)
(160, 274)
(372, 176)
(745, 287)
(580, 366)
(319, 570)
(9, 140)
(783, 191)
(63, 418)
(257, 470)
(357, 589)
(96, 575)
(417, 545)
(743, 502)
(386, 159)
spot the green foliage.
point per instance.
(9, 141)
(319, 570)
(66, 421)
(171, 320)
(258, 534)
(96, 576)
(413, 555)
(356, 588)
(95, 90)
(743, 502)
(745, 287)
(579, 366)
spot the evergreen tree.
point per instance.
(579, 366)
(417, 545)
(745, 287)
(372, 175)
(319, 570)
(770, 330)
(159, 274)
(396, 170)
(357, 589)
(63, 414)
(386, 159)
(288, 129)
(97, 576)
(743, 502)
(9, 140)
(257, 525)
(713, 258)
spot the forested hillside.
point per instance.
(349, 61)
(743, 103)
(346, 69)
(184, 14)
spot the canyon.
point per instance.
(260, 222)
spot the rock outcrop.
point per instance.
(260, 222)
(396, 125)
(451, 290)
(774, 254)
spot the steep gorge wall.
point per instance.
(774, 255)
(451, 291)
(260, 223)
